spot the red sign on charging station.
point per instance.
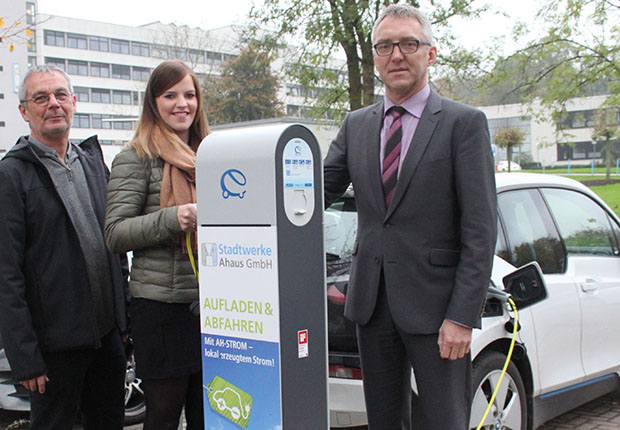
(302, 343)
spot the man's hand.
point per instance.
(36, 384)
(454, 340)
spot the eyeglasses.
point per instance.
(409, 46)
(43, 99)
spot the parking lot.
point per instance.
(600, 414)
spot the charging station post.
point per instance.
(262, 279)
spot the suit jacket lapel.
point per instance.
(421, 139)
(373, 128)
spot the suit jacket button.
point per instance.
(387, 225)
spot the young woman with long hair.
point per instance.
(151, 206)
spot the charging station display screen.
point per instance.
(298, 181)
(297, 160)
(240, 327)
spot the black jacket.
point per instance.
(45, 299)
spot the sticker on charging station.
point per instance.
(240, 320)
(297, 163)
(302, 343)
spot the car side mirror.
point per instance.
(526, 285)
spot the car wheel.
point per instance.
(135, 408)
(509, 408)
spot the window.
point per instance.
(81, 120)
(616, 229)
(100, 69)
(136, 98)
(102, 121)
(32, 41)
(140, 73)
(30, 13)
(81, 94)
(99, 95)
(196, 56)
(32, 61)
(75, 67)
(501, 247)
(120, 72)
(58, 62)
(106, 142)
(119, 46)
(121, 97)
(160, 51)
(214, 58)
(54, 38)
(583, 150)
(2, 124)
(1, 96)
(578, 119)
(119, 124)
(179, 53)
(141, 49)
(582, 222)
(341, 228)
(77, 41)
(98, 43)
(530, 232)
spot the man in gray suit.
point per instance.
(422, 172)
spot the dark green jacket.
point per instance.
(135, 222)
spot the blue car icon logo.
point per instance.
(233, 184)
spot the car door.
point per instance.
(531, 236)
(594, 263)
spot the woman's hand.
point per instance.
(186, 215)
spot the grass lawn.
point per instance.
(582, 170)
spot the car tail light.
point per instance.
(345, 372)
(335, 296)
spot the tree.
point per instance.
(606, 131)
(577, 55)
(246, 91)
(14, 33)
(323, 27)
(508, 138)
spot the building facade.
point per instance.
(543, 142)
(17, 15)
(110, 64)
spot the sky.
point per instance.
(216, 13)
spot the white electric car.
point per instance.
(568, 346)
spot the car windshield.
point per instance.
(340, 229)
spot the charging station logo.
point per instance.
(229, 401)
(209, 254)
(233, 183)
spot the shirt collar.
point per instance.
(47, 151)
(414, 105)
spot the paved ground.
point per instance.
(600, 414)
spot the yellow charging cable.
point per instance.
(512, 345)
(190, 252)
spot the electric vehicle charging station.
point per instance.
(262, 279)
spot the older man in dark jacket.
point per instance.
(62, 299)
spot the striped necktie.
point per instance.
(391, 156)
